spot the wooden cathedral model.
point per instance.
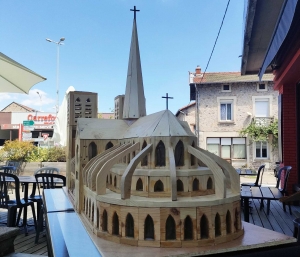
(136, 180)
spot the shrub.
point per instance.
(17, 150)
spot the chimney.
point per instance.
(198, 70)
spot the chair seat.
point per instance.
(249, 184)
(35, 198)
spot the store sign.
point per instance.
(28, 122)
(9, 126)
(42, 118)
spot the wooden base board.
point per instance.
(254, 237)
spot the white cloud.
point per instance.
(38, 99)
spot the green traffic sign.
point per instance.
(28, 122)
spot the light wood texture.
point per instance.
(216, 170)
(173, 178)
(101, 162)
(89, 167)
(127, 176)
(105, 169)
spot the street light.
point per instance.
(57, 70)
(40, 99)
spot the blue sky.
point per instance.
(174, 36)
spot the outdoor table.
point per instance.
(246, 172)
(262, 193)
(56, 200)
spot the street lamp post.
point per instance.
(40, 99)
(57, 70)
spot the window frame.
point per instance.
(261, 98)
(225, 90)
(227, 100)
(268, 151)
(262, 90)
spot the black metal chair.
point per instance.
(38, 198)
(282, 185)
(12, 205)
(47, 181)
(259, 177)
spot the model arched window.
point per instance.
(139, 185)
(179, 186)
(188, 228)
(115, 181)
(192, 156)
(115, 224)
(109, 145)
(160, 155)
(209, 183)
(149, 228)
(93, 213)
(179, 154)
(104, 220)
(158, 186)
(97, 220)
(144, 161)
(236, 220)
(92, 150)
(204, 231)
(110, 179)
(107, 179)
(129, 230)
(84, 208)
(228, 222)
(217, 225)
(195, 184)
(170, 228)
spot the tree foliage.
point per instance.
(17, 150)
(259, 130)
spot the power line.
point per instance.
(215, 41)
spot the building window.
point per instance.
(170, 228)
(115, 225)
(92, 150)
(149, 228)
(225, 111)
(261, 149)
(179, 185)
(226, 88)
(188, 228)
(228, 223)
(159, 186)
(160, 155)
(227, 147)
(179, 151)
(262, 87)
(129, 231)
(217, 225)
(144, 161)
(104, 221)
(109, 145)
(204, 229)
(139, 185)
(226, 107)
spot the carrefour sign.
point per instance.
(39, 118)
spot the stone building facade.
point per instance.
(227, 102)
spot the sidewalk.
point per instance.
(268, 178)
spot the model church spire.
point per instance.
(134, 102)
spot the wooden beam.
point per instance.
(104, 171)
(173, 175)
(127, 175)
(219, 176)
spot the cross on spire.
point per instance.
(134, 10)
(167, 99)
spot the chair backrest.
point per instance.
(6, 181)
(259, 175)
(287, 170)
(47, 170)
(49, 181)
(17, 165)
(8, 169)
